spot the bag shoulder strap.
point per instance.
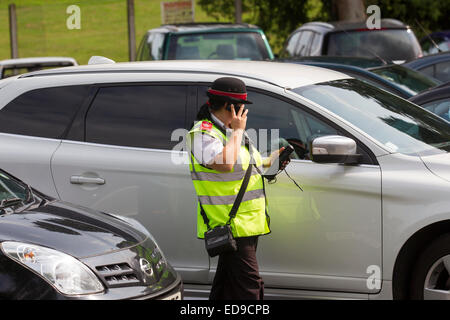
(240, 195)
(204, 216)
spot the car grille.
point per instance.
(118, 275)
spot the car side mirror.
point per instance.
(334, 149)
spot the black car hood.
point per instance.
(75, 230)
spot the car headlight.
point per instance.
(62, 271)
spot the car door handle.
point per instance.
(83, 180)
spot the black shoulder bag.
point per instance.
(220, 239)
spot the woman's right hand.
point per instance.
(225, 160)
(239, 120)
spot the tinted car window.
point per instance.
(137, 116)
(440, 71)
(42, 112)
(315, 45)
(429, 71)
(304, 44)
(439, 107)
(389, 44)
(443, 71)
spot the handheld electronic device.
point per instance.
(276, 165)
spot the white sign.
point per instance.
(177, 12)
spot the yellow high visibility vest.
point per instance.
(217, 190)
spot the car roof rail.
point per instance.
(100, 60)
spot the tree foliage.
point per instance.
(279, 18)
(433, 15)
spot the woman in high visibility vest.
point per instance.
(219, 160)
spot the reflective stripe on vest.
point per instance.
(217, 200)
(212, 176)
(217, 190)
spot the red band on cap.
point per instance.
(242, 96)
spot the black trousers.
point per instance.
(237, 276)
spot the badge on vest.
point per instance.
(206, 126)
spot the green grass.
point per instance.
(42, 27)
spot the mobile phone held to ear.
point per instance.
(276, 165)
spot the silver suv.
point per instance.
(372, 222)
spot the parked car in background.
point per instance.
(13, 67)
(394, 42)
(51, 249)
(205, 41)
(435, 65)
(117, 146)
(363, 75)
(436, 100)
(441, 40)
(408, 79)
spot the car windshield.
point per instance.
(219, 45)
(410, 80)
(396, 123)
(389, 44)
(11, 189)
